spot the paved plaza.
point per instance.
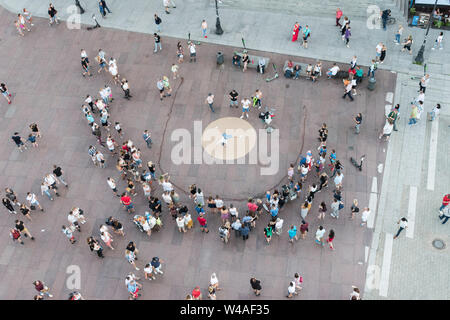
(405, 177)
(49, 89)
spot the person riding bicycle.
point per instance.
(384, 17)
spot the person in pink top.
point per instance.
(338, 17)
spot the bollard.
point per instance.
(220, 58)
(371, 85)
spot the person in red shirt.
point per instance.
(445, 202)
(252, 207)
(15, 235)
(338, 17)
(196, 293)
(202, 221)
(126, 201)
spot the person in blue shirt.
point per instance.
(199, 209)
(292, 234)
(147, 139)
(274, 210)
(244, 231)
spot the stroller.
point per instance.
(288, 193)
(139, 221)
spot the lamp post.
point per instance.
(419, 58)
(77, 3)
(219, 30)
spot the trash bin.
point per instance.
(220, 58)
(372, 83)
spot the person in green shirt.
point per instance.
(359, 74)
(413, 116)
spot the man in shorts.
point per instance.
(160, 86)
(19, 141)
(192, 52)
(245, 107)
(126, 201)
(233, 98)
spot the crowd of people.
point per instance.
(312, 176)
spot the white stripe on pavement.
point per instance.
(386, 267)
(366, 253)
(411, 211)
(372, 204)
(389, 97)
(432, 154)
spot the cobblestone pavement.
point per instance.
(45, 77)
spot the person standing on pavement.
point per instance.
(292, 234)
(8, 205)
(233, 95)
(358, 121)
(387, 130)
(158, 23)
(209, 101)
(407, 44)
(101, 9)
(126, 88)
(438, 42)
(160, 86)
(245, 107)
(180, 52)
(330, 239)
(5, 92)
(291, 290)
(22, 229)
(347, 36)
(365, 214)
(435, 112)
(393, 116)
(445, 202)
(354, 208)
(403, 224)
(147, 138)
(424, 83)
(157, 42)
(306, 34)
(58, 172)
(192, 52)
(319, 235)
(445, 214)
(203, 224)
(348, 90)
(204, 28)
(174, 70)
(68, 234)
(413, 116)
(52, 14)
(42, 288)
(256, 286)
(398, 34)
(338, 17)
(168, 3)
(32, 200)
(18, 141)
(383, 53)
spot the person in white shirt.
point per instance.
(214, 281)
(245, 107)
(112, 184)
(291, 290)
(298, 281)
(403, 224)
(435, 112)
(193, 52)
(181, 224)
(50, 181)
(167, 198)
(32, 199)
(209, 101)
(167, 186)
(348, 91)
(365, 216)
(378, 49)
(338, 180)
(233, 212)
(333, 71)
(78, 213)
(73, 222)
(355, 294)
(438, 41)
(279, 226)
(424, 83)
(319, 235)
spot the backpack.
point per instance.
(222, 232)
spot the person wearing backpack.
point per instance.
(158, 23)
(306, 35)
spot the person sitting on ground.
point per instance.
(261, 65)
(309, 70)
(332, 71)
(237, 60)
(289, 69)
(297, 70)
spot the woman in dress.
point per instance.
(295, 32)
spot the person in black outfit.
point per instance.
(105, 7)
(337, 168)
(256, 286)
(7, 203)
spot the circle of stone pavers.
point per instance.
(243, 138)
(438, 244)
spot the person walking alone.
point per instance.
(209, 101)
(157, 42)
(158, 23)
(204, 28)
(403, 224)
(358, 120)
(5, 93)
(347, 36)
(438, 42)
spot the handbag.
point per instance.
(341, 205)
(33, 207)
